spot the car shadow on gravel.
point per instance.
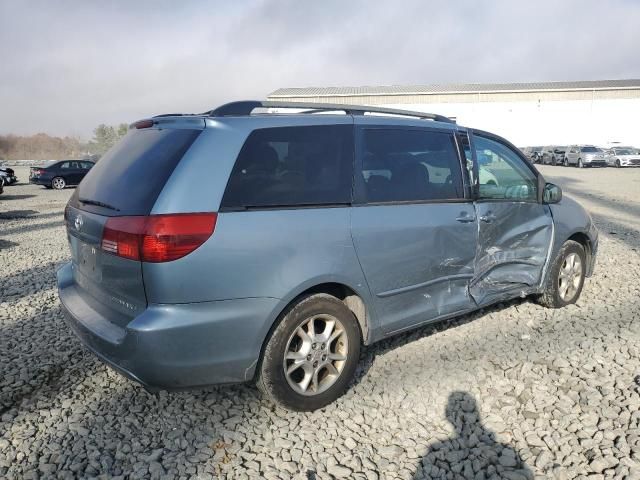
(6, 244)
(33, 227)
(14, 286)
(38, 357)
(473, 452)
(28, 214)
(16, 197)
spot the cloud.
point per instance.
(68, 66)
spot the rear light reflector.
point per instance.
(157, 238)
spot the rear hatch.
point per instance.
(124, 183)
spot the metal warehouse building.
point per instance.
(584, 112)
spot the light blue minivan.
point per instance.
(269, 242)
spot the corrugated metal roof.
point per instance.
(455, 88)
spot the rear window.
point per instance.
(292, 166)
(130, 176)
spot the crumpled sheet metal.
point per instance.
(511, 253)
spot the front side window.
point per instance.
(502, 174)
(410, 165)
(293, 166)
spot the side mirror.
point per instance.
(552, 193)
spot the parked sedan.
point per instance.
(552, 155)
(623, 157)
(585, 156)
(60, 174)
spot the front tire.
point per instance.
(580, 164)
(312, 354)
(566, 278)
(58, 183)
(618, 164)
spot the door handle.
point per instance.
(488, 218)
(465, 218)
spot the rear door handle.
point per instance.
(488, 218)
(465, 219)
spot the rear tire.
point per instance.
(303, 366)
(58, 183)
(566, 278)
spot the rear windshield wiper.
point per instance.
(98, 204)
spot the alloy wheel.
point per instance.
(316, 354)
(58, 183)
(569, 277)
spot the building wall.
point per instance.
(527, 118)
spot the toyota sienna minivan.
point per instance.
(245, 245)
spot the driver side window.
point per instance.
(502, 174)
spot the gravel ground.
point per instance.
(516, 391)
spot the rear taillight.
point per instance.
(157, 238)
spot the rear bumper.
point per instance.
(173, 346)
(40, 181)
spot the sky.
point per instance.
(67, 66)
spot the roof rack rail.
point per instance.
(245, 107)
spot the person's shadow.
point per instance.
(474, 452)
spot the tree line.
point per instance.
(46, 147)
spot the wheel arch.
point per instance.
(584, 240)
(354, 300)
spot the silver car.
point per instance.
(240, 245)
(585, 156)
(552, 155)
(623, 157)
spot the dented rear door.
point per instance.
(514, 229)
(412, 227)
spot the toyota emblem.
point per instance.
(78, 222)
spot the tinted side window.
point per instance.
(64, 165)
(293, 166)
(502, 174)
(410, 165)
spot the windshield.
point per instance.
(591, 149)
